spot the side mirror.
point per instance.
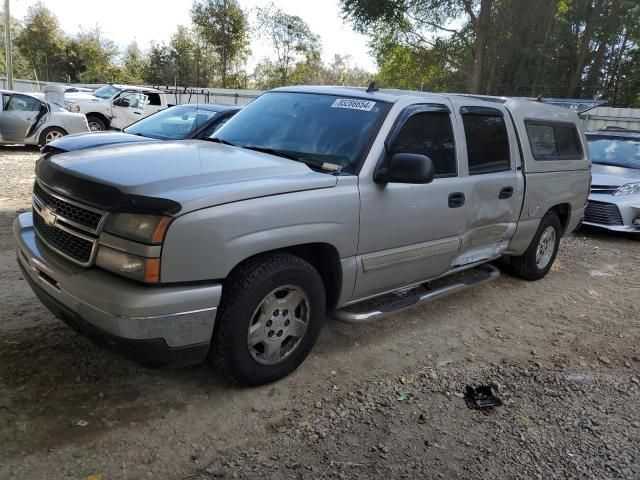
(406, 168)
(121, 102)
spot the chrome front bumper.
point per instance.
(177, 316)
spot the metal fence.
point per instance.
(602, 117)
(175, 96)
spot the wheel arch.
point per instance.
(101, 116)
(563, 210)
(324, 257)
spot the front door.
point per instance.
(412, 232)
(128, 108)
(18, 116)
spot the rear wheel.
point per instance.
(50, 134)
(539, 257)
(269, 319)
(96, 124)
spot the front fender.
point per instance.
(207, 244)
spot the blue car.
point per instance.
(189, 121)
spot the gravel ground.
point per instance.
(377, 401)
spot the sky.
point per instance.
(145, 20)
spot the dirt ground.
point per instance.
(373, 401)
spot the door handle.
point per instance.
(137, 113)
(456, 199)
(506, 192)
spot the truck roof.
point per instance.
(521, 106)
(135, 87)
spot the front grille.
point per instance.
(66, 243)
(68, 210)
(603, 213)
(604, 189)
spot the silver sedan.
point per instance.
(32, 121)
(614, 202)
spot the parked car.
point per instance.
(32, 121)
(614, 201)
(116, 106)
(310, 199)
(175, 123)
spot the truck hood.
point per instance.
(82, 141)
(82, 97)
(174, 177)
(613, 176)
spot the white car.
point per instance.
(116, 106)
(30, 120)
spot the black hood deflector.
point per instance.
(99, 195)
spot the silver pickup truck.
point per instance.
(308, 202)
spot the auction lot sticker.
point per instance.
(353, 104)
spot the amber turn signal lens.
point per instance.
(152, 270)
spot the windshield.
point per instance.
(620, 152)
(175, 123)
(105, 92)
(326, 131)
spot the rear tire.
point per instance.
(96, 124)
(541, 253)
(269, 319)
(50, 134)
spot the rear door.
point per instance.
(493, 176)
(19, 115)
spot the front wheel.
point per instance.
(269, 319)
(539, 257)
(96, 124)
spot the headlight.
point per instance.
(72, 107)
(138, 268)
(628, 189)
(142, 228)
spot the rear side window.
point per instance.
(554, 141)
(430, 134)
(487, 140)
(153, 98)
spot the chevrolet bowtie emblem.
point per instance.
(48, 216)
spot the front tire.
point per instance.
(96, 124)
(541, 253)
(270, 317)
(50, 134)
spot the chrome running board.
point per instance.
(465, 279)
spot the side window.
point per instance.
(214, 127)
(487, 140)
(430, 134)
(22, 103)
(153, 98)
(554, 141)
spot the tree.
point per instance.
(21, 67)
(290, 37)
(42, 43)
(224, 28)
(133, 64)
(96, 57)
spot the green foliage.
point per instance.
(21, 67)
(563, 48)
(296, 47)
(223, 27)
(42, 43)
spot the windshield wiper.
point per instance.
(271, 151)
(219, 140)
